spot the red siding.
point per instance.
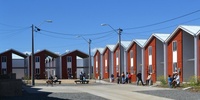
(152, 43)
(179, 38)
(134, 48)
(64, 65)
(114, 61)
(106, 56)
(9, 61)
(97, 55)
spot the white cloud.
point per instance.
(67, 50)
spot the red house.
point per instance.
(154, 56)
(46, 64)
(98, 69)
(11, 65)
(134, 57)
(182, 52)
(73, 63)
(108, 61)
(119, 67)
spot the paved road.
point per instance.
(102, 91)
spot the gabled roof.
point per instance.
(15, 52)
(49, 53)
(192, 30)
(100, 50)
(124, 44)
(110, 47)
(78, 53)
(139, 42)
(160, 36)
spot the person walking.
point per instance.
(139, 77)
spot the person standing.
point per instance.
(139, 76)
(118, 78)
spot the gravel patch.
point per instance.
(173, 94)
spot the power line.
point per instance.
(163, 27)
(149, 25)
(59, 33)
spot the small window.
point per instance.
(150, 69)
(174, 46)
(4, 59)
(37, 59)
(150, 50)
(175, 67)
(69, 59)
(37, 71)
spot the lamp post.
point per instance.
(119, 40)
(32, 53)
(89, 47)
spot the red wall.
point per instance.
(179, 38)
(106, 75)
(97, 55)
(152, 43)
(64, 65)
(9, 61)
(134, 48)
(114, 61)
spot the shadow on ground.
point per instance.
(29, 93)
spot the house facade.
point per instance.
(12, 65)
(46, 64)
(98, 59)
(154, 55)
(182, 50)
(134, 57)
(119, 67)
(73, 63)
(108, 61)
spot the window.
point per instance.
(96, 64)
(132, 61)
(175, 67)
(150, 69)
(4, 59)
(37, 71)
(174, 43)
(69, 59)
(117, 61)
(37, 59)
(150, 50)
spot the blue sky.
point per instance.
(72, 18)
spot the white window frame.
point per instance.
(4, 59)
(174, 46)
(117, 61)
(150, 50)
(132, 61)
(37, 70)
(150, 69)
(37, 58)
(175, 67)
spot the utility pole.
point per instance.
(120, 54)
(32, 59)
(89, 42)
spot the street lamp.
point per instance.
(89, 43)
(119, 40)
(36, 29)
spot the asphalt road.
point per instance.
(101, 91)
